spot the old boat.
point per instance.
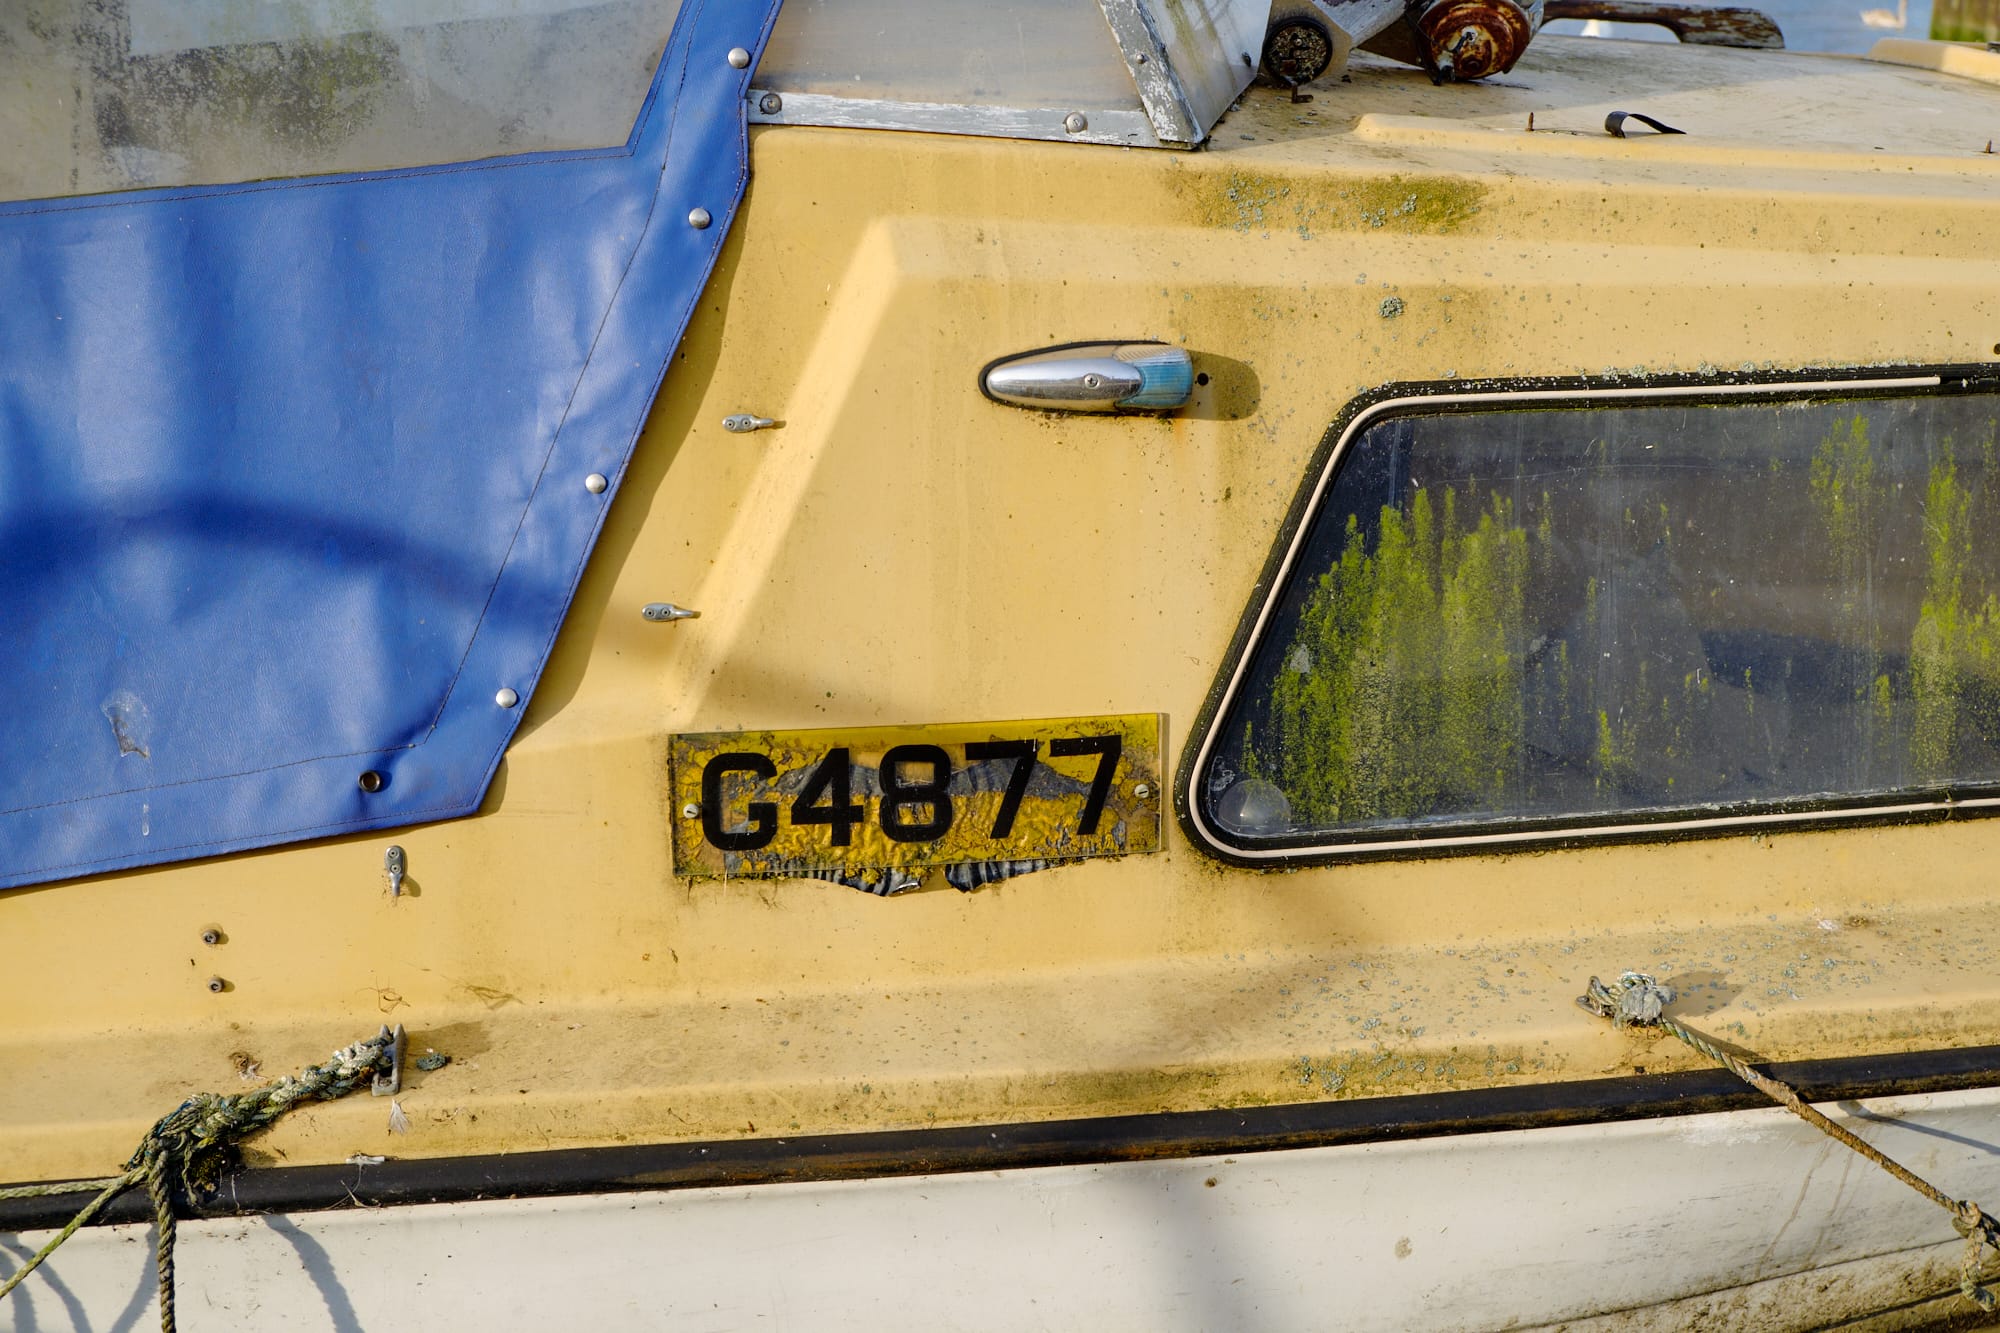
(1262, 627)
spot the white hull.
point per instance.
(1748, 1218)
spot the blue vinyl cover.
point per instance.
(292, 472)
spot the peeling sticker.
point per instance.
(875, 808)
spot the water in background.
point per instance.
(1809, 25)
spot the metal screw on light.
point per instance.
(1074, 123)
(1142, 790)
(770, 104)
(211, 936)
(216, 985)
(690, 811)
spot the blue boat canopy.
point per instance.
(293, 471)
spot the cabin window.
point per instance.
(1507, 616)
(117, 94)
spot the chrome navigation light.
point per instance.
(1093, 377)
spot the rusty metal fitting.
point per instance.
(1470, 39)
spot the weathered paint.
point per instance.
(1256, 202)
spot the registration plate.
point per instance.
(771, 803)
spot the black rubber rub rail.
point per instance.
(761, 1161)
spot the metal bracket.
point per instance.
(391, 1083)
(667, 611)
(1129, 129)
(1160, 92)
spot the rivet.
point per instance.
(690, 811)
(371, 781)
(1142, 790)
(595, 483)
(506, 698)
(699, 219)
(211, 936)
(739, 58)
(770, 104)
(1075, 123)
(216, 985)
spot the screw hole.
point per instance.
(372, 782)
(1996, 349)
(1201, 378)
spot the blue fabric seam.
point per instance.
(555, 436)
(387, 819)
(685, 315)
(213, 777)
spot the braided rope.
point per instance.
(185, 1152)
(1636, 1000)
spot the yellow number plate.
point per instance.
(769, 803)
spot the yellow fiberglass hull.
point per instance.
(898, 551)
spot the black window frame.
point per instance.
(1527, 833)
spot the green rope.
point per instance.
(184, 1154)
(1639, 1001)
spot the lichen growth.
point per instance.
(1249, 201)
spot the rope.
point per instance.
(1636, 1000)
(186, 1151)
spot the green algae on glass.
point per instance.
(1955, 648)
(1850, 497)
(1401, 692)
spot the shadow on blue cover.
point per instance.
(292, 472)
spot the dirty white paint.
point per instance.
(1747, 1217)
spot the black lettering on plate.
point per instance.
(899, 795)
(1107, 749)
(1023, 755)
(833, 781)
(763, 816)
